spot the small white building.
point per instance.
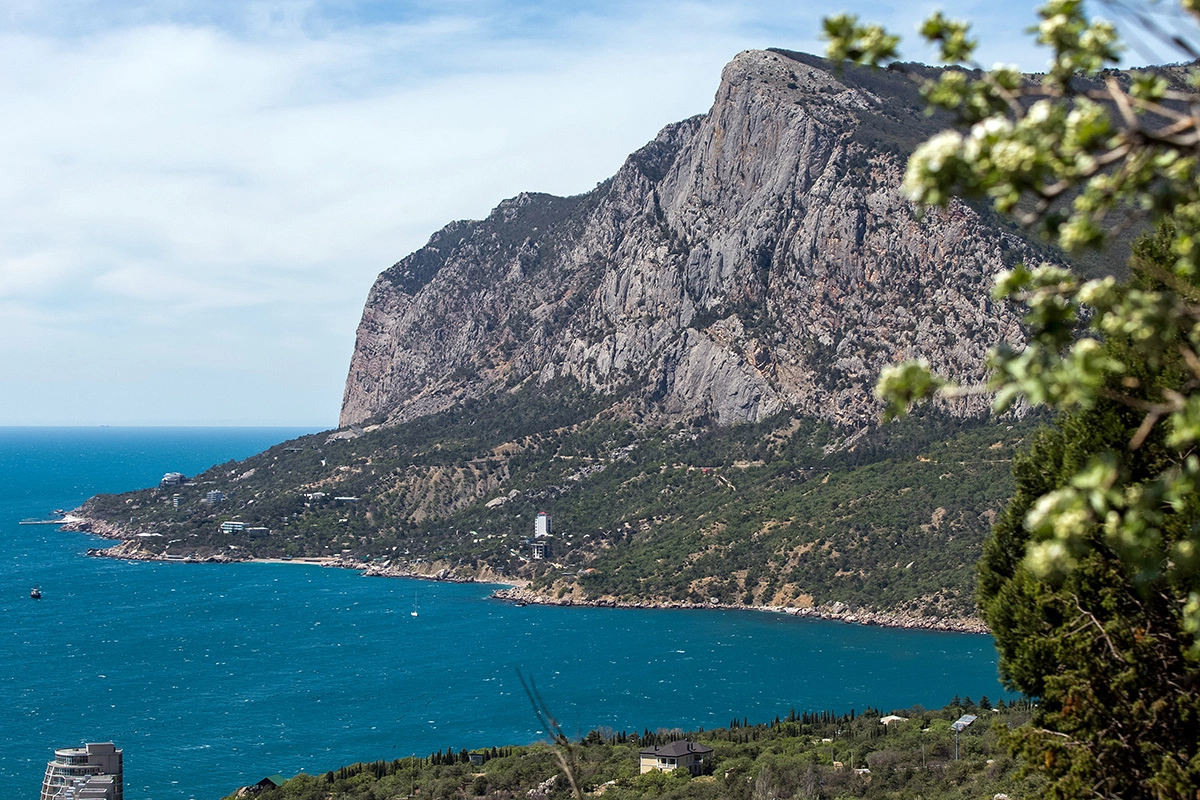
(542, 526)
(538, 550)
(232, 526)
(215, 496)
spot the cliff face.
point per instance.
(754, 259)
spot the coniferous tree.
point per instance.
(1101, 645)
(1091, 582)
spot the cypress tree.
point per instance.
(1102, 646)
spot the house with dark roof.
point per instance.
(269, 782)
(676, 755)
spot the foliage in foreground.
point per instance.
(811, 755)
(1101, 642)
(1091, 583)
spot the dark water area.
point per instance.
(214, 676)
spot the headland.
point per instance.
(515, 589)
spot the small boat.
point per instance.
(35, 593)
(414, 611)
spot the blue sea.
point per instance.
(213, 676)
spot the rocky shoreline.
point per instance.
(516, 590)
(434, 571)
(837, 611)
(128, 548)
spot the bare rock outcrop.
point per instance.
(750, 260)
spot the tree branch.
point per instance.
(1103, 633)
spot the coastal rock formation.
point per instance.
(754, 259)
(832, 611)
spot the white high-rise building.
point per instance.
(541, 526)
(92, 772)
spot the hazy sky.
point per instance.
(198, 194)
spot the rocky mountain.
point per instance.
(755, 259)
(677, 367)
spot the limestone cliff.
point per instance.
(750, 260)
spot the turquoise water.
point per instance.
(213, 676)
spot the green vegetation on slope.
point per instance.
(787, 512)
(811, 755)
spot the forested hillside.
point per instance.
(787, 512)
(819, 754)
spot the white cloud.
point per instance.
(36, 273)
(201, 194)
(151, 284)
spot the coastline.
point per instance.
(516, 589)
(128, 548)
(836, 611)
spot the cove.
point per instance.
(212, 676)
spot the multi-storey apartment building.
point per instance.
(92, 772)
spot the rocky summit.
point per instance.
(675, 367)
(755, 259)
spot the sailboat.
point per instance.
(414, 611)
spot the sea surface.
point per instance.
(213, 676)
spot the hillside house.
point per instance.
(269, 782)
(676, 755)
(173, 479)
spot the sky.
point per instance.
(198, 194)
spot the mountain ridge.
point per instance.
(682, 280)
(678, 366)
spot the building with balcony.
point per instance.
(92, 772)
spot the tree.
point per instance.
(1101, 642)
(1091, 580)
